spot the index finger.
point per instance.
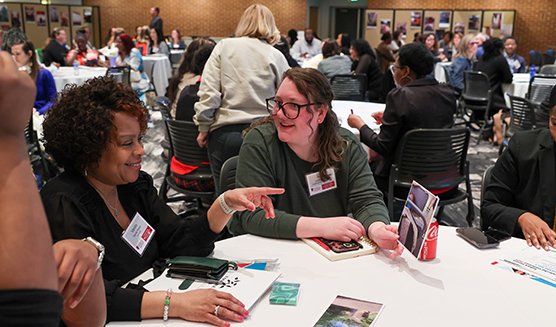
(268, 190)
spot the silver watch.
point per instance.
(99, 247)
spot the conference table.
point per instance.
(79, 75)
(459, 288)
(343, 109)
(160, 74)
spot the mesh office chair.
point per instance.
(183, 145)
(162, 104)
(37, 156)
(540, 87)
(436, 159)
(228, 174)
(522, 118)
(477, 96)
(548, 70)
(349, 87)
(484, 183)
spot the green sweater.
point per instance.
(266, 161)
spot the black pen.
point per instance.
(351, 111)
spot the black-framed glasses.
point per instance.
(290, 109)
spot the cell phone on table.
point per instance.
(340, 246)
(482, 240)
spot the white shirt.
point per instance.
(301, 46)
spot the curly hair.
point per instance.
(78, 128)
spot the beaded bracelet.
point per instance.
(167, 304)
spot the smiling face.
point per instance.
(430, 41)
(153, 35)
(120, 162)
(510, 45)
(301, 132)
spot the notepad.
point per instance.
(366, 246)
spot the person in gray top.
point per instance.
(333, 63)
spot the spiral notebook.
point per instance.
(351, 249)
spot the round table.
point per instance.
(160, 73)
(69, 75)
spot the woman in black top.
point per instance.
(95, 132)
(365, 63)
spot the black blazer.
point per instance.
(523, 180)
(423, 103)
(54, 52)
(498, 72)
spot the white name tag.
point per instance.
(317, 186)
(138, 234)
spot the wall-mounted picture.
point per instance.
(371, 19)
(75, 18)
(29, 13)
(459, 28)
(54, 16)
(496, 20)
(416, 19)
(384, 26)
(87, 15)
(402, 28)
(16, 18)
(473, 23)
(429, 24)
(41, 18)
(444, 21)
(64, 19)
(4, 14)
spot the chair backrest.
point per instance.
(484, 183)
(540, 87)
(447, 74)
(228, 174)
(435, 158)
(476, 85)
(349, 87)
(535, 58)
(548, 70)
(548, 58)
(120, 74)
(163, 104)
(175, 58)
(522, 114)
(183, 142)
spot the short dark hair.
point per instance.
(79, 126)
(509, 37)
(386, 36)
(329, 49)
(417, 57)
(157, 10)
(493, 48)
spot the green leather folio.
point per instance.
(198, 267)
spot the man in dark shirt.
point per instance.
(156, 21)
(56, 51)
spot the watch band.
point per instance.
(224, 206)
(99, 247)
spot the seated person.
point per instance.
(157, 45)
(31, 287)
(463, 61)
(307, 47)
(298, 147)
(84, 55)
(26, 58)
(57, 49)
(364, 62)
(128, 55)
(520, 198)
(418, 102)
(95, 131)
(333, 63)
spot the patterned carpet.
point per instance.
(480, 157)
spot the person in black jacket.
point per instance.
(56, 50)
(521, 198)
(365, 62)
(95, 132)
(418, 102)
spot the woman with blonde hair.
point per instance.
(463, 61)
(240, 74)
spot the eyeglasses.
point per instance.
(290, 109)
(473, 43)
(393, 68)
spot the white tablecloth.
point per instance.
(459, 288)
(439, 73)
(161, 73)
(519, 86)
(67, 75)
(343, 109)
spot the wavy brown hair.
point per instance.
(78, 128)
(313, 85)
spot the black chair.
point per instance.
(120, 74)
(548, 70)
(183, 145)
(162, 104)
(37, 156)
(484, 183)
(436, 159)
(152, 88)
(349, 87)
(228, 174)
(540, 87)
(548, 57)
(535, 58)
(477, 96)
(175, 59)
(522, 118)
(446, 70)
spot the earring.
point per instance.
(85, 172)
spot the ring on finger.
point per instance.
(216, 309)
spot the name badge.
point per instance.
(138, 234)
(317, 186)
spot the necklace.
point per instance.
(113, 208)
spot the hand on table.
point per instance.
(208, 305)
(250, 198)
(17, 90)
(76, 263)
(339, 228)
(202, 139)
(355, 121)
(386, 237)
(537, 232)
